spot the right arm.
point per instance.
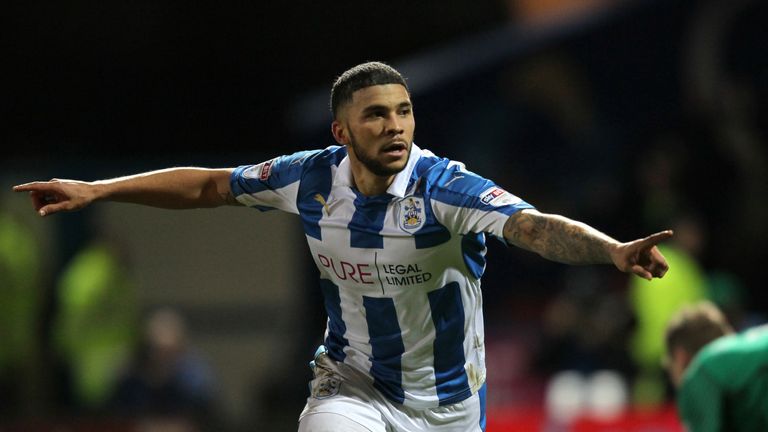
(172, 188)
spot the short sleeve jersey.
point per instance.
(399, 272)
(726, 386)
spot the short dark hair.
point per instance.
(695, 326)
(359, 77)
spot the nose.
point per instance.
(393, 125)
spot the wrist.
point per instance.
(612, 250)
(98, 190)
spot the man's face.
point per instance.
(377, 126)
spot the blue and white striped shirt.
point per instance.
(400, 272)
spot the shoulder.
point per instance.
(331, 155)
(446, 174)
(449, 181)
(284, 170)
(727, 358)
(293, 163)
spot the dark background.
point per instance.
(144, 84)
(184, 78)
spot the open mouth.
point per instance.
(395, 148)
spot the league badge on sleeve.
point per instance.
(260, 171)
(411, 214)
(498, 197)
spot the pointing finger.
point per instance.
(654, 239)
(33, 186)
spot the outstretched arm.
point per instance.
(173, 188)
(564, 240)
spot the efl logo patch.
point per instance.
(260, 171)
(411, 214)
(498, 197)
(266, 170)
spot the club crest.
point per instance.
(411, 214)
(326, 387)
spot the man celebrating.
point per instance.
(398, 235)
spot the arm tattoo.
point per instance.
(558, 238)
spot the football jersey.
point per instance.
(725, 388)
(399, 272)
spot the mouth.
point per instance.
(396, 148)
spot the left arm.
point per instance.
(564, 240)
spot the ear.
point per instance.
(339, 133)
(681, 357)
(678, 363)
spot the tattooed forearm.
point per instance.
(558, 238)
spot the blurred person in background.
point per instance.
(653, 305)
(94, 326)
(166, 383)
(722, 377)
(398, 235)
(20, 307)
(586, 327)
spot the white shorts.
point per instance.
(352, 404)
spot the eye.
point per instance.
(405, 111)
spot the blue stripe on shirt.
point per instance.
(386, 346)
(367, 221)
(433, 233)
(335, 341)
(473, 251)
(315, 187)
(448, 318)
(481, 395)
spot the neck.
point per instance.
(368, 183)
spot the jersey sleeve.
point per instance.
(272, 184)
(465, 202)
(700, 402)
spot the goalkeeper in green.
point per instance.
(721, 376)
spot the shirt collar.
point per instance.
(343, 176)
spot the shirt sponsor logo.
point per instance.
(411, 214)
(356, 272)
(498, 197)
(404, 274)
(395, 274)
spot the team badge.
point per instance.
(498, 197)
(325, 387)
(411, 214)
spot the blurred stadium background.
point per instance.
(633, 116)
